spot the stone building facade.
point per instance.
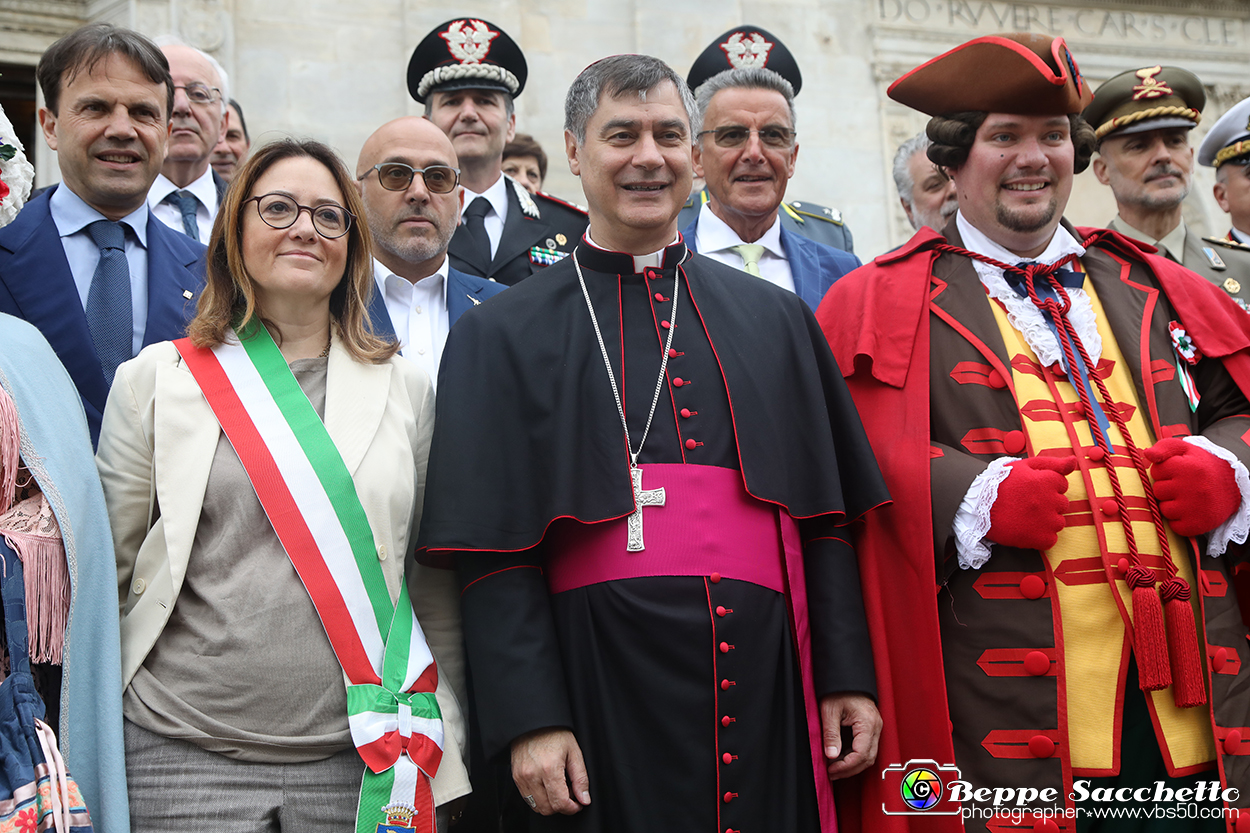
(334, 71)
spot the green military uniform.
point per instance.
(1225, 263)
(1228, 142)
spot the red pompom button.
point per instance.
(1013, 443)
(1036, 663)
(659, 296)
(1096, 454)
(1041, 746)
(1110, 508)
(665, 324)
(678, 381)
(1219, 660)
(724, 647)
(720, 611)
(726, 720)
(727, 758)
(995, 380)
(691, 444)
(724, 685)
(1032, 587)
(685, 413)
(1232, 742)
(1121, 567)
(672, 352)
(714, 578)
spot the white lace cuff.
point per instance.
(1235, 529)
(972, 519)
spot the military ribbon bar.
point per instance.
(310, 499)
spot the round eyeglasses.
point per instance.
(396, 176)
(735, 136)
(279, 211)
(198, 93)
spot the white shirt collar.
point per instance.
(496, 195)
(204, 189)
(715, 235)
(383, 276)
(71, 214)
(1061, 245)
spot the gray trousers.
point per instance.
(175, 786)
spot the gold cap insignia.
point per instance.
(1150, 87)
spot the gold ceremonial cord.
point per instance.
(1152, 113)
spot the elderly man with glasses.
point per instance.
(186, 194)
(746, 152)
(409, 180)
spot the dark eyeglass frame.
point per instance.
(312, 213)
(412, 172)
(719, 135)
(198, 98)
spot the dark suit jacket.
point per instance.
(463, 291)
(523, 247)
(37, 286)
(813, 265)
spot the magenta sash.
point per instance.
(708, 526)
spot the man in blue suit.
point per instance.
(409, 180)
(746, 151)
(86, 262)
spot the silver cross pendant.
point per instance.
(653, 497)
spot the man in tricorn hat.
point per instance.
(747, 48)
(467, 73)
(1226, 147)
(746, 150)
(643, 475)
(1061, 421)
(1142, 119)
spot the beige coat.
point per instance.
(156, 448)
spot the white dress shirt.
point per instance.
(497, 196)
(205, 191)
(714, 238)
(418, 313)
(72, 216)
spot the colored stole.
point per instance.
(309, 497)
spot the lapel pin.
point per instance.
(188, 294)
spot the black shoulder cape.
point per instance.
(527, 429)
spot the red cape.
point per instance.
(877, 323)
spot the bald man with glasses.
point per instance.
(409, 180)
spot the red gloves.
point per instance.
(1197, 491)
(1029, 509)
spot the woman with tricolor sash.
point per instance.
(264, 479)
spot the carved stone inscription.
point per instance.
(972, 17)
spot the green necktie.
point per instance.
(751, 253)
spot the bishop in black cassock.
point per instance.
(691, 686)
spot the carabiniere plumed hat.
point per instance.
(1022, 74)
(1150, 98)
(746, 47)
(1228, 138)
(466, 54)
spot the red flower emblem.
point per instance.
(27, 822)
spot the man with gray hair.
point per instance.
(753, 48)
(927, 194)
(187, 192)
(634, 570)
(746, 150)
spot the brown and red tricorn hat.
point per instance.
(1022, 74)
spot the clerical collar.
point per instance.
(598, 259)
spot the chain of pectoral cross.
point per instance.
(652, 497)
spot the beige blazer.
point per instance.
(157, 443)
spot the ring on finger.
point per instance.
(529, 799)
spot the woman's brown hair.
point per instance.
(229, 296)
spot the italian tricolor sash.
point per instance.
(309, 497)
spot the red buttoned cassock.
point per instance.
(683, 669)
(925, 362)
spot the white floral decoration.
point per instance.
(17, 173)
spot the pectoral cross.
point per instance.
(652, 497)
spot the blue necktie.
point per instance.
(109, 314)
(187, 204)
